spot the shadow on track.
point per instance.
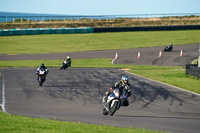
(157, 117)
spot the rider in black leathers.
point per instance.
(69, 61)
(42, 67)
(66, 61)
(170, 45)
(122, 84)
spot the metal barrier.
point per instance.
(147, 28)
(193, 70)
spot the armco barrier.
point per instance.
(193, 70)
(147, 28)
(34, 31)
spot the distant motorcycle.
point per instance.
(64, 65)
(168, 48)
(41, 76)
(114, 102)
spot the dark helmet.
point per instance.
(42, 65)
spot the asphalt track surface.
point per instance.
(149, 56)
(75, 95)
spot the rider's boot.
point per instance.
(126, 102)
(106, 97)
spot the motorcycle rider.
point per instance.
(170, 45)
(65, 61)
(69, 61)
(42, 67)
(124, 84)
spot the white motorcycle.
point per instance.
(41, 76)
(114, 101)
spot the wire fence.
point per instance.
(100, 18)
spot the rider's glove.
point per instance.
(127, 88)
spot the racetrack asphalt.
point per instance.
(75, 95)
(149, 56)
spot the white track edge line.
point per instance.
(113, 61)
(164, 83)
(3, 93)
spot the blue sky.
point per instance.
(100, 7)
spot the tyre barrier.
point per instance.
(147, 28)
(35, 31)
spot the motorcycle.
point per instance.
(114, 101)
(41, 76)
(168, 48)
(64, 65)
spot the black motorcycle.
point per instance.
(168, 49)
(64, 65)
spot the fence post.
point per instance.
(187, 66)
(199, 57)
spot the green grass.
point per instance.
(95, 41)
(57, 63)
(195, 62)
(20, 124)
(170, 75)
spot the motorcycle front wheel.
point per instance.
(40, 81)
(105, 112)
(113, 109)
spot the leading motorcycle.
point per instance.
(114, 101)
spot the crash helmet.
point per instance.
(125, 79)
(42, 65)
(68, 57)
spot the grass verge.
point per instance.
(20, 124)
(58, 43)
(195, 61)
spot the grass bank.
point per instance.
(19, 124)
(95, 41)
(170, 75)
